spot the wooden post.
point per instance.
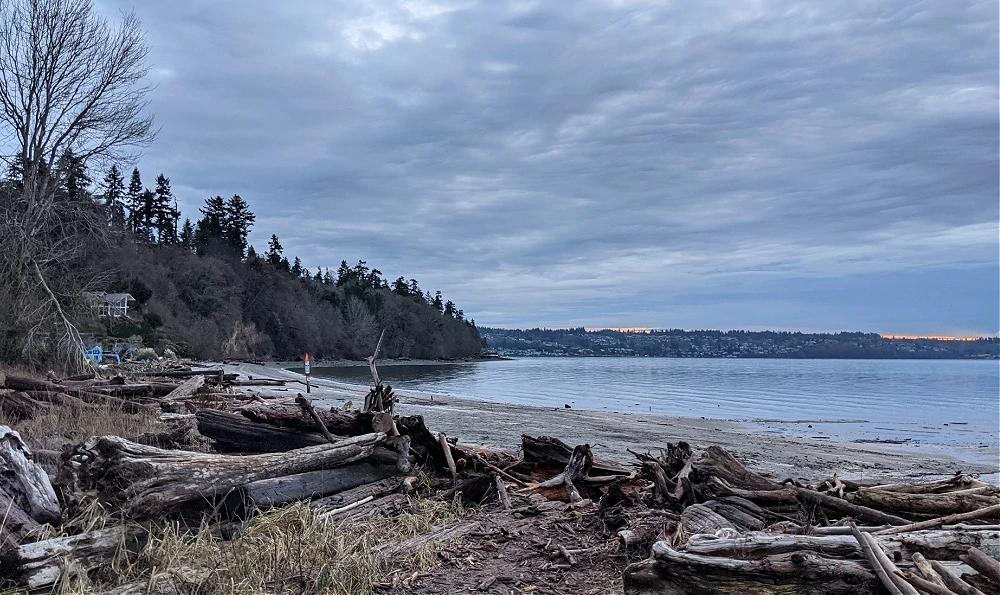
(308, 384)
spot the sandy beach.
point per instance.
(611, 435)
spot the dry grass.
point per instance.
(287, 550)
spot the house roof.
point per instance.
(100, 296)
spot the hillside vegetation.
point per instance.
(203, 291)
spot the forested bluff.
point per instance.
(202, 291)
(579, 342)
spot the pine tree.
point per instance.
(296, 268)
(449, 308)
(133, 200)
(186, 237)
(437, 302)
(147, 215)
(73, 176)
(274, 250)
(114, 197)
(238, 222)
(318, 277)
(210, 232)
(164, 213)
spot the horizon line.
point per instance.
(647, 330)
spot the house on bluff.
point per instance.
(114, 305)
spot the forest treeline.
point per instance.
(734, 343)
(203, 291)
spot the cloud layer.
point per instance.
(606, 163)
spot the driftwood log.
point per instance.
(937, 504)
(27, 500)
(147, 481)
(545, 449)
(288, 414)
(672, 572)
(235, 433)
(43, 563)
(21, 383)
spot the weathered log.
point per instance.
(373, 490)
(983, 564)
(545, 449)
(22, 383)
(307, 406)
(577, 468)
(737, 515)
(24, 481)
(858, 511)
(19, 406)
(955, 483)
(238, 434)
(147, 481)
(502, 492)
(186, 388)
(208, 373)
(926, 571)
(936, 543)
(303, 486)
(287, 414)
(935, 504)
(886, 570)
(717, 462)
(47, 562)
(947, 520)
(955, 583)
(939, 544)
(927, 586)
(672, 572)
(61, 399)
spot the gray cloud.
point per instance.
(600, 162)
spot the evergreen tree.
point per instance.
(114, 197)
(164, 213)
(274, 249)
(297, 268)
(238, 222)
(449, 308)
(210, 232)
(147, 215)
(400, 286)
(437, 302)
(187, 234)
(318, 277)
(343, 273)
(133, 200)
(73, 176)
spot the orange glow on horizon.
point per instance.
(932, 337)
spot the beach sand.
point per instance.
(611, 435)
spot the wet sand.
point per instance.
(612, 434)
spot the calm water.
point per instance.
(940, 405)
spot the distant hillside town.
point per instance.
(580, 342)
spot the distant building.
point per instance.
(114, 305)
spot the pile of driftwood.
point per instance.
(712, 525)
(740, 532)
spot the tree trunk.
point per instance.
(45, 563)
(236, 433)
(546, 449)
(717, 462)
(291, 415)
(304, 486)
(24, 481)
(670, 572)
(29, 384)
(148, 481)
(186, 388)
(935, 504)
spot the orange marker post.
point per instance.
(306, 362)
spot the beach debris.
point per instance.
(684, 520)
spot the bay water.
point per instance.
(940, 406)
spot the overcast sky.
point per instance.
(761, 164)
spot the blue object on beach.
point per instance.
(96, 354)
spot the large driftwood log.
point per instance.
(545, 449)
(942, 544)
(21, 383)
(186, 388)
(935, 504)
(287, 414)
(238, 434)
(952, 484)
(45, 563)
(671, 572)
(148, 481)
(23, 482)
(370, 491)
(716, 462)
(304, 486)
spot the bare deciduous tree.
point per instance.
(71, 84)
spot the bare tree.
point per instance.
(71, 84)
